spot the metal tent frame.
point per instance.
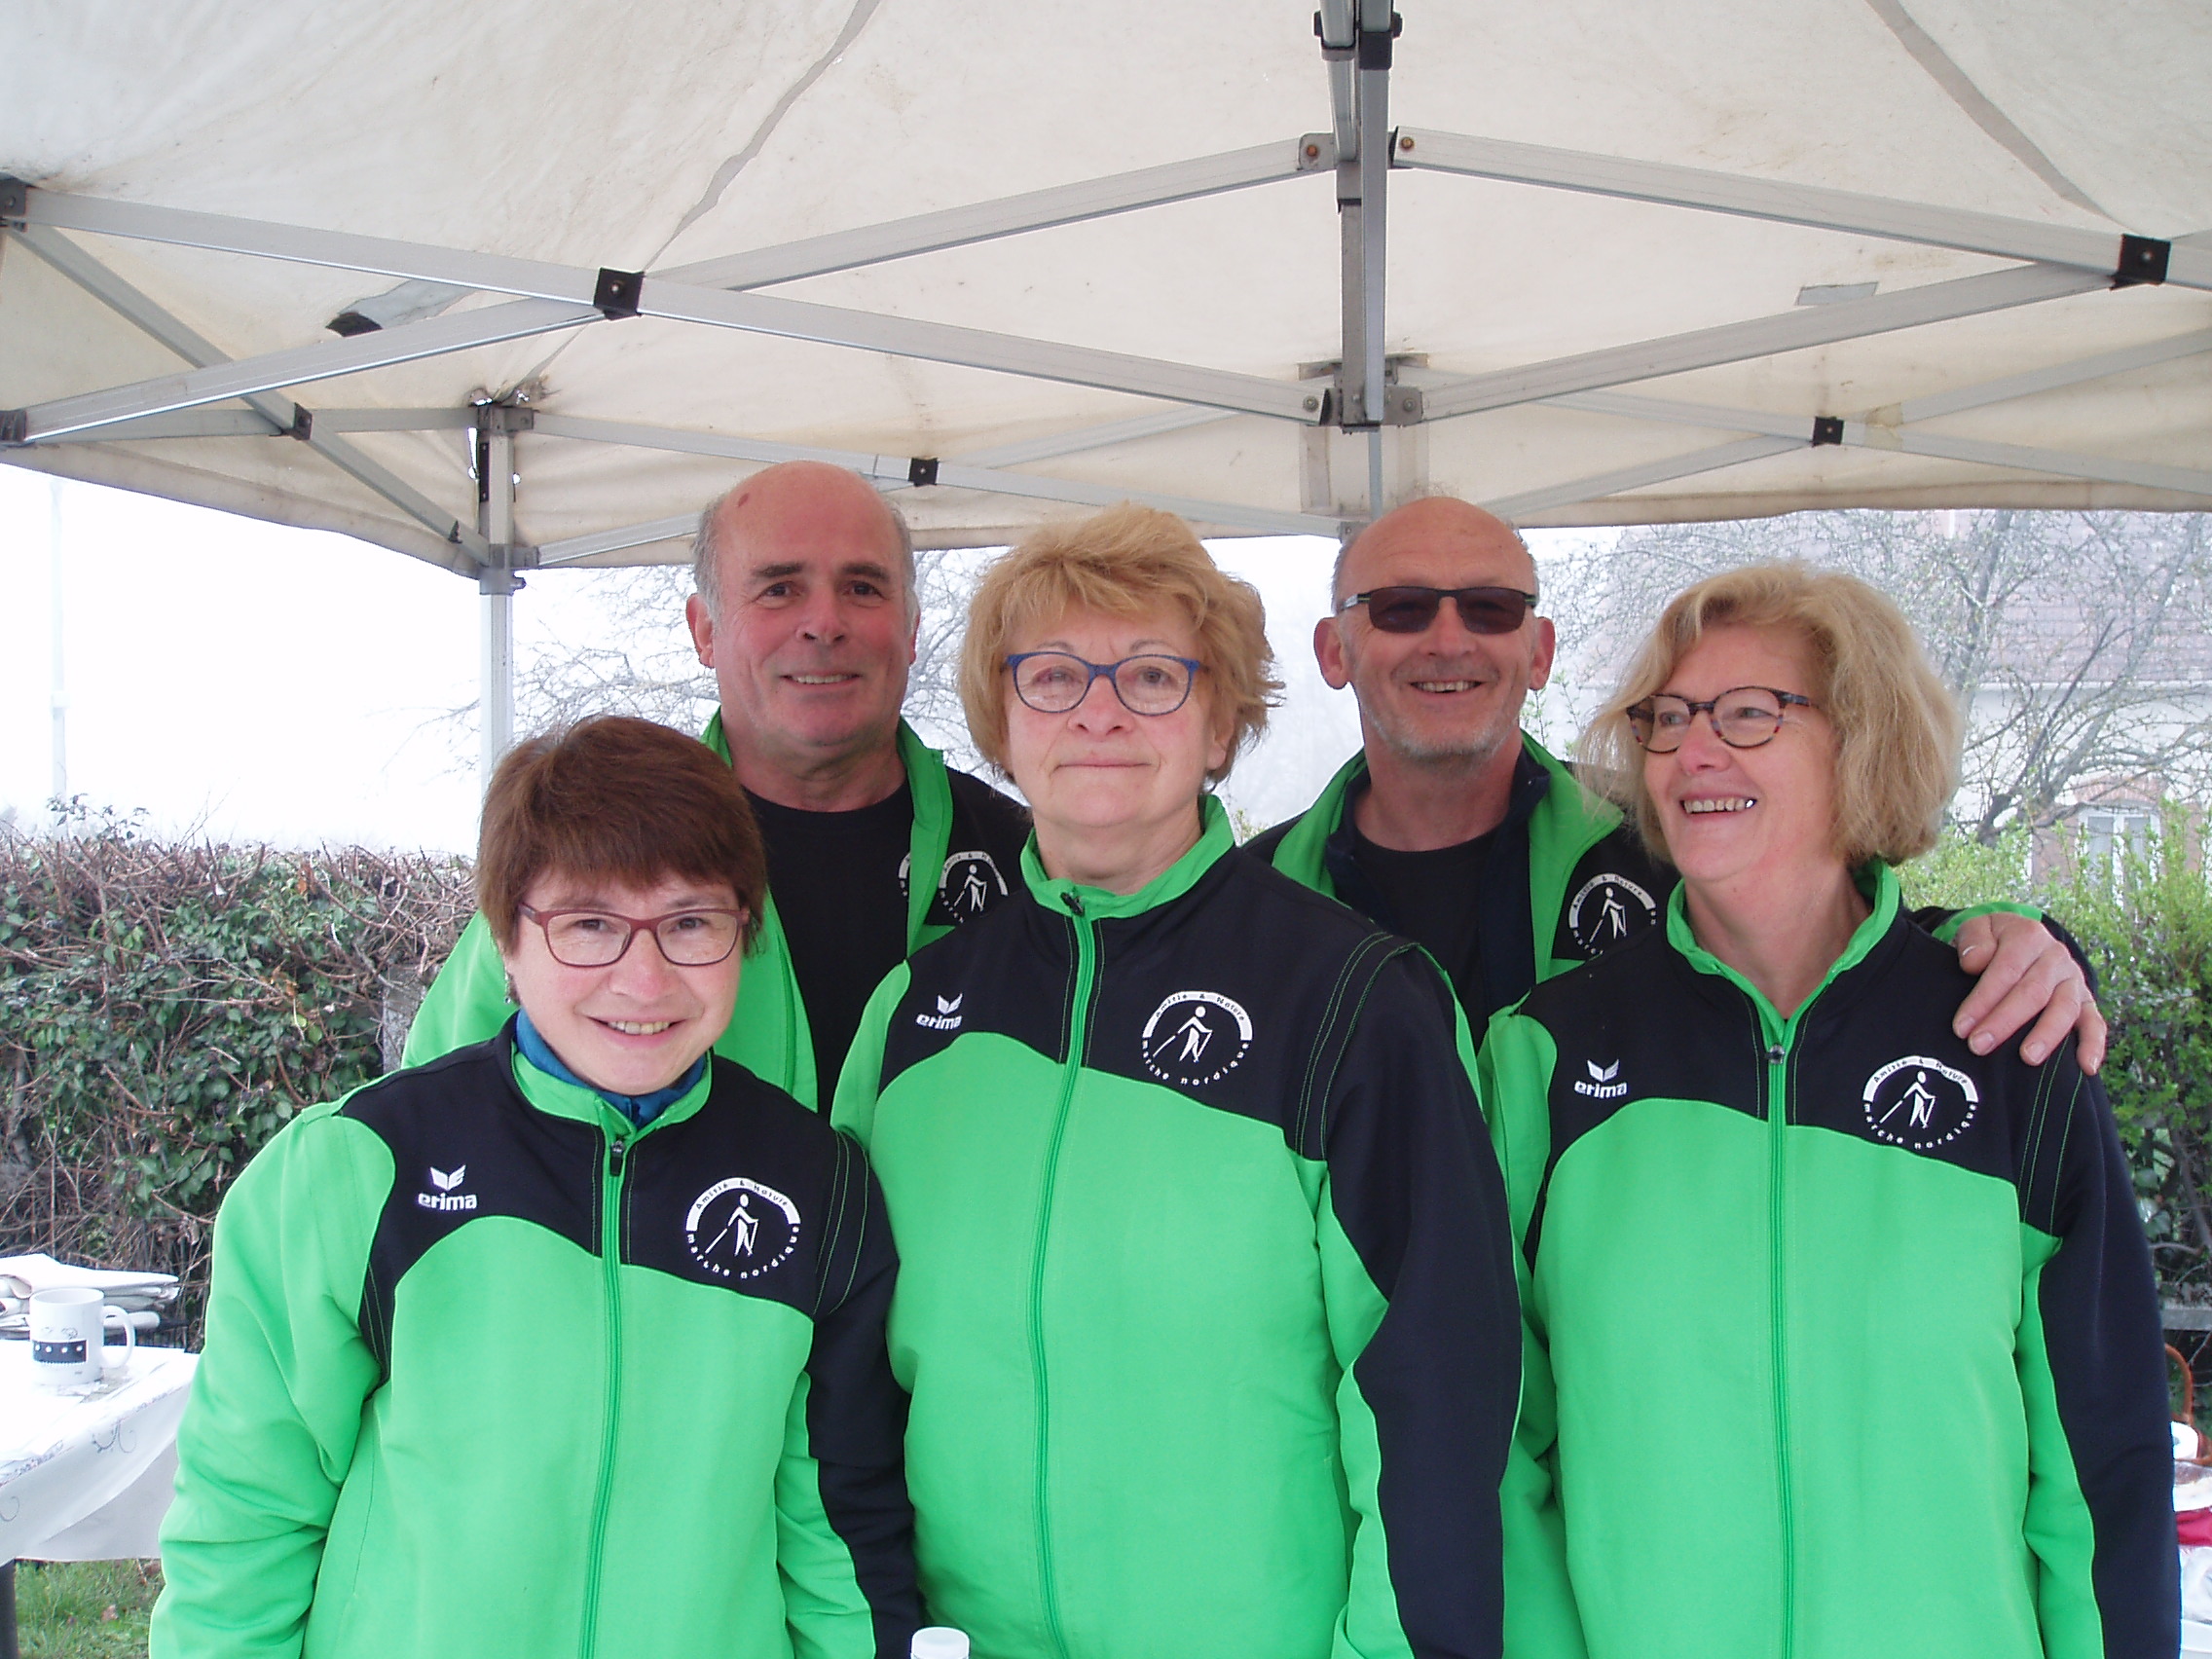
(1366, 398)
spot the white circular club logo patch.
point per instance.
(1920, 1103)
(1195, 1038)
(1610, 909)
(738, 1229)
(970, 883)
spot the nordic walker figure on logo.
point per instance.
(1900, 1387)
(1260, 1412)
(573, 1341)
(1453, 827)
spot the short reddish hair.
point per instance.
(616, 797)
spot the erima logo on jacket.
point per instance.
(1602, 1082)
(737, 1228)
(1195, 1036)
(445, 1197)
(947, 1017)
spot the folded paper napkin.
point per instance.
(132, 1292)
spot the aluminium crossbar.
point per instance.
(1759, 337)
(2188, 264)
(282, 414)
(884, 469)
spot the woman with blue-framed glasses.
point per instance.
(1205, 1299)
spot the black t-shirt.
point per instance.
(1433, 898)
(839, 880)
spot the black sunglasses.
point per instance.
(1411, 609)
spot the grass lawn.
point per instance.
(84, 1609)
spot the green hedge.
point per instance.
(2145, 921)
(166, 1008)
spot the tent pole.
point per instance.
(1355, 43)
(59, 794)
(497, 581)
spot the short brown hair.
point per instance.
(1898, 727)
(616, 797)
(1128, 561)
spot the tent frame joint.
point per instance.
(921, 471)
(1374, 43)
(617, 293)
(15, 427)
(14, 201)
(1827, 430)
(2142, 261)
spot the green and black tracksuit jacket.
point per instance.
(1842, 1341)
(1565, 880)
(767, 1032)
(1206, 1303)
(491, 1372)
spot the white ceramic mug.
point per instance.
(66, 1341)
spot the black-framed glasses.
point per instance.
(1055, 682)
(1742, 719)
(1411, 609)
(597, 938)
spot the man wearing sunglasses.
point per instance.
(1455, 829)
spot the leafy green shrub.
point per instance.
(2145, 921)
(166, 1008)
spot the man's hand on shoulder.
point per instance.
(2024, 971)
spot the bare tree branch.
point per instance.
(2079, 642)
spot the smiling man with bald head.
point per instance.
(806, 612)
(1455, 829)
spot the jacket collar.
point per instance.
(576, 1100)
(932, 795)
(1215, 837)
(1544, 793)
(1875, 879)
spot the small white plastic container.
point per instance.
(939, 1641)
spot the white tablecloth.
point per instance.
(88, 1477)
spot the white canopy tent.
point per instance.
(513, 286)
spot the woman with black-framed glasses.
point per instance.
(1898, 1385)
(1205, 1300)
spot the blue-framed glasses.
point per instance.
(1055, 682)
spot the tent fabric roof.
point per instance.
(1580, 344)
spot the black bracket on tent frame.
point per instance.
(617, 293)
(1374, 43)
(15, 425)
(2141, 260)
(303, 422)
(14, 198)
(1827, 429)
(921, 471)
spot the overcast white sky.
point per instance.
(252, 681)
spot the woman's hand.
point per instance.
(2024, 971)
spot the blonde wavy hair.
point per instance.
(1898, 727)
(1126, 562)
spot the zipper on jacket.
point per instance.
(1079, 1023)
(609, 1267)
(1778, 1125)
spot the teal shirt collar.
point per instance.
(640, 1109)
